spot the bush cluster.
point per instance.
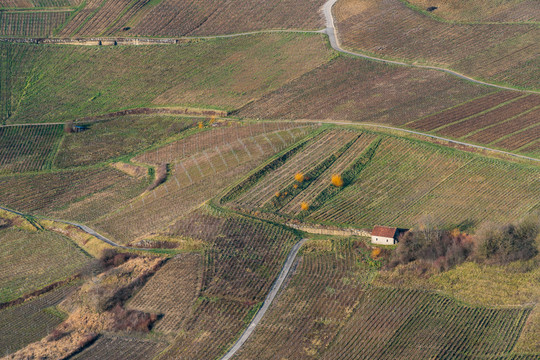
(492, 244)
(506, 243)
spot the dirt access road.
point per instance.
(332, 33)
(267, 302)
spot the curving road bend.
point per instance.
(84, 228)
(331, 31)
(267, 302)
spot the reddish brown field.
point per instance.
(364, 91)
(173, 18)
(507, 127)
(205, 17)
(104, 18)
(520, 139)
(462, 111)
(502, 113)
(506, 53)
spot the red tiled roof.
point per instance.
(384, 231)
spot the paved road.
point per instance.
(331, 31)
(84, 228)
(267, 302)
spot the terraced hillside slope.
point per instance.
(382, 184)
(500, 53)
(59, 83)
(175, 18)
(338, 315)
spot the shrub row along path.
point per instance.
(267, 302)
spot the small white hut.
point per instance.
(384, 235)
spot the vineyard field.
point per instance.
(194, 179)
(328, 281)
(529, 122)
(501, 53)
(31, 24)
(410, 324)
(16, 69)
(484, 10)
(119, 136)
(35, 259)
(463, 111)
(241, 261)
(386, 186)
(329, 311)
(30, 321)
(80, 195)
(514, 108)
(109, 347)
(71, 82)
(301, 163)
(391, 189)
(172, 291)
(28, 148)
(11, 4)
(204, 17)
(354, 89)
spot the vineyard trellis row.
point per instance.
(31, 24)
(195, 178)
(28, 148)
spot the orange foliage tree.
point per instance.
(304, 206)
(299, 177)
(337, 180)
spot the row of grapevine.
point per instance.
(314, 152)
(120, 348)
(410, 324)
(34, 259)
(28, 148)
(31, 24)
(194, 179)
(29, 322)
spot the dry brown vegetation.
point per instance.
(130, 169)
(98, 306)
